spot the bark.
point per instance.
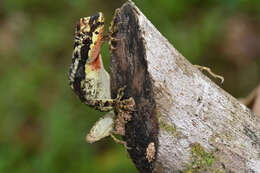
(183, 122)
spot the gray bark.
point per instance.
(194, 124)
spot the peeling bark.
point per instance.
(183, 121)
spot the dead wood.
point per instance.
(183, 121)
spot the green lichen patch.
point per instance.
(201, 161)
(168, 128)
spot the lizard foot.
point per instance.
(110, 39)
(111, 35)
(210, 72)
(126, 104)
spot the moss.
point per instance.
(201, 161)
(168, 128)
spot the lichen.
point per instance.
(168, 128)
(201, 161)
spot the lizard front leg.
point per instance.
(103, 105)
(106, 105)
(109, 36)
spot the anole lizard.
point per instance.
(89, 79)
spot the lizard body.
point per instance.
(87, 76)
(89, 79)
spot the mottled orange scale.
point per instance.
(95, 65)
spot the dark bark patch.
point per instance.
(129, 68)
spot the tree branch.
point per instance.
(183, 121)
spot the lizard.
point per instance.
(90, 81)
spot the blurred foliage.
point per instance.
(43, 124)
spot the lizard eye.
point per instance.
(96, 32)
(85, 41)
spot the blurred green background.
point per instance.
(43, 124)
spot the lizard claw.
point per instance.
(120, 93)
(128, 104)
(112, 42)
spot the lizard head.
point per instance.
(88, 36)
(87, 43)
